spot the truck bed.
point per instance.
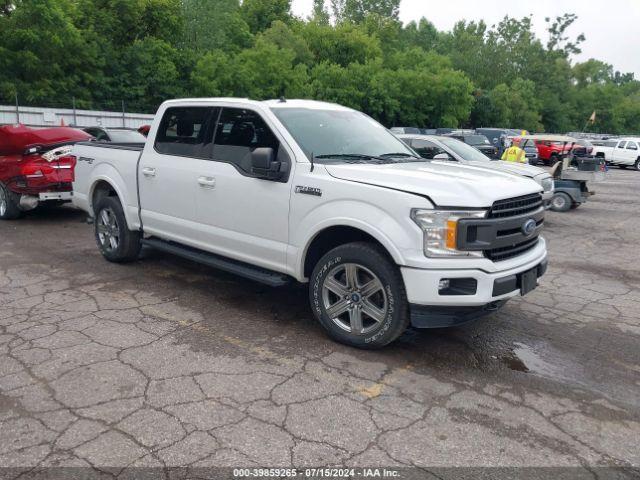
(116, 163)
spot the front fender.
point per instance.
(392, 234)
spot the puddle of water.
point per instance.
(524, 358)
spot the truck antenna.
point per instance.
(313, 159)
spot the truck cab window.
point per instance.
(622, 144)
(238, 133)
(632, 146)
(186, 132)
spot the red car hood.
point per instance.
(17, 138)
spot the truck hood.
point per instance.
(510, 167)
(446, 185)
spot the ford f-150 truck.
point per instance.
(318, 193)
(35, 167)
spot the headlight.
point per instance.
(440, 229)
(547, 184)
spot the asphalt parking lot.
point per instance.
(164, 363)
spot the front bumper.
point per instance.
(422, 285)
(441, 316)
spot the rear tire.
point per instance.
(115, 241)
(553, 160)
(9, 209)
(561, 202)
(358, 296)
(637, 165)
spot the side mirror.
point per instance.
(442, 156)
(264, 164)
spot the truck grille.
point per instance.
(504, 253)
(513, 207)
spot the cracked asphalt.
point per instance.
(164, 363)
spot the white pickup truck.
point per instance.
(623, 152)
(318, 193)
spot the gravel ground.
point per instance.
(164, 363)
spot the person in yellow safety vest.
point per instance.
(514, 154)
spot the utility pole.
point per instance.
(17, 109)
(75, 118)
(124, 123)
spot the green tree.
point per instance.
(43, 55)
(260, 14)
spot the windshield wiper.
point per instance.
(400, 155)
(354, 157)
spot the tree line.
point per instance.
(353, 52)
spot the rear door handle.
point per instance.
(207, 182)
(149, 172)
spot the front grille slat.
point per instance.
(513, 207)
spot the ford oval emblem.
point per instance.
(529, 227)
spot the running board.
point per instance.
(257, 274)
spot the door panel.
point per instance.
(241, 216)
(169, 172)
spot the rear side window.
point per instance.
(186, 132)
(239, 132)
(426, 149)
(632, 146)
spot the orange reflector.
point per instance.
(452, 230)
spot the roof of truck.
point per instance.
(278, 103)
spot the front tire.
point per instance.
(116, 242)
(358, 296)
(561, 202)
(9, 209)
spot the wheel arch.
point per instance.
(329, 237)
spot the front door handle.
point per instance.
(149, 172)
(207, 182)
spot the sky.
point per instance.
(612, 28)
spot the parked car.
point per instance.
(623, 152)
(144, 130)
(495, 135)
(551, 151)
(35, 167)
(115, 135)
(318, 193)
(404, 130)
(449, 149)
(479, 142)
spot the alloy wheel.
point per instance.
(354, 298)
(3, 202)
(108, 230)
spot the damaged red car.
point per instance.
(35, 167)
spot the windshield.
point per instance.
(326, 134)
(477, 140)
(466, 152)
(126, 136)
